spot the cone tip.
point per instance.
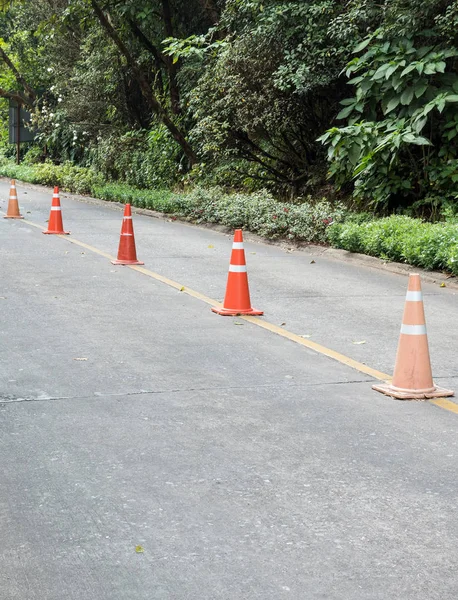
(238, 236)
(56, 189)
(13, 182)
(127, 210)
(414, 282)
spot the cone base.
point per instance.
(401, 394)
(13, 217)
(127, 262)
(232, 312)
(47, 232)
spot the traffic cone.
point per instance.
(127, 254)
(237, 299)
(412, 379)
(55, 225)
(13, 205)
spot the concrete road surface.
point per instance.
(153, 450)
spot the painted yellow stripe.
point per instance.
(337, 356)
(445, 404)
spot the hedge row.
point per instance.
(401, 239)
(395, 238)
(258, 212)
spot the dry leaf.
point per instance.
(211, 246)
(182, 288)
(237, 323)
(139, 549)
(252, 252)
(80, 358)
(312, 262)
(306, 335)
(443, 285)
(361, 342)
(282, 324)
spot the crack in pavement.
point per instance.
(9, 399)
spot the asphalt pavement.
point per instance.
(154, 450)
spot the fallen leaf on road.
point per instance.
(443, 284)
(139, 549)
(182, 288)
(282, 324)
(361, 342)
(211, 246)
(80, 358)
(312, 262)
(306, 335)
(237, 323)
(252, 252)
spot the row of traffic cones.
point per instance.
(412, 378)
(127, 253)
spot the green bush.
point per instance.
(401, 239)
(68, 177)
(260, 213)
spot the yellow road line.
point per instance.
(445, 404)
(337, 356)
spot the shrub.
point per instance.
(402, 239)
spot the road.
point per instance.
(245, 465)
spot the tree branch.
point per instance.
(171, 66)
(12, 96)
(19, 78)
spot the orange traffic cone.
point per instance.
(13, 205)
(127, 254)
(237, 300)
(412, 379)
(55, 224)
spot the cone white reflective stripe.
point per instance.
(414, 296)
(237, 268)
(56, 208)
(128, 218)
(237, 245)
(55, 195)
(130, 234)
(413, 329)
(13, 197)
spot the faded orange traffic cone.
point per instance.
(237, 300)
(13, 205)
(127, 253)
(55, 225)
(412, 379)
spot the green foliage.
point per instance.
(144, 159)
(401, 239)
(159, 200)
(260, 213)
(401, 142)
(68, 177)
